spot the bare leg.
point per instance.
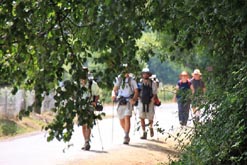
(125, 124)
(151, 128)
(143, 124)
(144, 136)
(86, 131)
(122, 123)
(151, 123)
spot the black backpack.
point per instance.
(146, 95)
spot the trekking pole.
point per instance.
(157, 132)
(135, 121)
(100, 135)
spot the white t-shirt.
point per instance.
(95, 90)
(128, 88)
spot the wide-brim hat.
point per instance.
(196, 71)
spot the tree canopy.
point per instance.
(41, 41)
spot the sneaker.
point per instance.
(144, 136)
(86, 146)
(151, 132)
(126, 140)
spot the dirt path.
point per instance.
(150, 152)
(155, 150)
(158, 150)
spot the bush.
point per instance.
(105, 96)
(222, 139)
(166, 92)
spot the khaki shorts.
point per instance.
(124, 110)
(146, 115)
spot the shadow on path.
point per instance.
(155, 145)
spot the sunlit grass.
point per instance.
(35, 122)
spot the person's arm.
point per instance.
(95, 93)
(114, 93)
(175, 94)
(154, 91)
(136, 93)
(192, 89)
(135, 97)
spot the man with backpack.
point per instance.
(148, 93)
(125, 92)
(92, 94)
(200, 89)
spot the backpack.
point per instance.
(99, 106)
(146, 95)
(123, 100)
(120, 80)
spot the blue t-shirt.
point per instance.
(184, 88)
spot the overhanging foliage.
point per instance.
(39, 38)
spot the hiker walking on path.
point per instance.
(199, 91)
(184, 90)
(148, 93)
(125, 92)
(92, 94)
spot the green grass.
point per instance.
(35, 122)
(10, 128)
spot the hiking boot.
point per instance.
(126, 140)
(144, 136)
(151, 132)
(86, 146)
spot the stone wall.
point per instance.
(11, 105)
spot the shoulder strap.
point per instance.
(180, 82)
(120, 80)
(129, 82)
(188, 81)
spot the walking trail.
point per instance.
(106, 144)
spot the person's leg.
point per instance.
(121, 116)
(183, 114)
(122, 123)
(186, 113)
(144, 135)
(180, 113)
(151, 128)
(126, 125)
(142, 124)
(86, 131)
(150, 116)
(142, 116)
(125, 122)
